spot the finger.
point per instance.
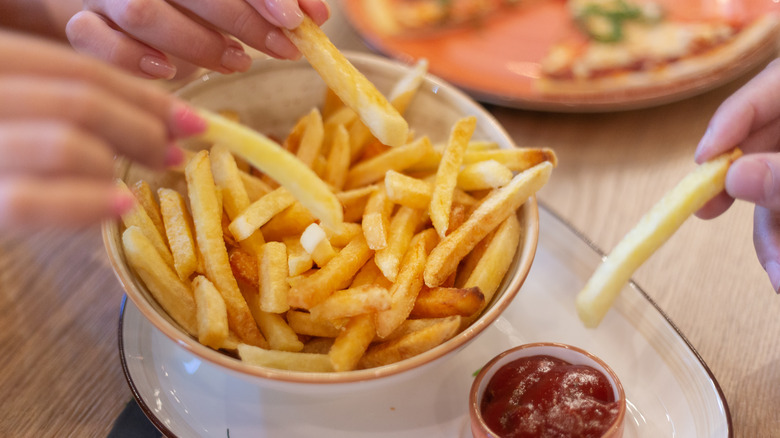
(282, 13)
(130, 131)
(765, 139)
(716, 206)
(51, 148)
(163, 26)
(756, 178)
(749, 109)
(766, 239)
(89, 33)
(318, 10)
(27, 203)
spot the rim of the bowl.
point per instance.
(526, 251)
(475, 410)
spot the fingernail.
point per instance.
(704, 143)
(174, 156)
(276, 42)
(122, 202)
(186, 121)
(157, 67)
(286, 12)
(772, 268)
(751, 180)
(235, 59)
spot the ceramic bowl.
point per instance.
(269, 98)
(568, 353)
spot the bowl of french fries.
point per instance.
(335, 225)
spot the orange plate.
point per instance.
(497, 59)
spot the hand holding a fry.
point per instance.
(145, 36)
(750, 119)
(65, 118)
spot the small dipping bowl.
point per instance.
(568, 353)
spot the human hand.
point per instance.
(750, 120)
(141, 36)
(64, 117)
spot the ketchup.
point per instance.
(543, 396)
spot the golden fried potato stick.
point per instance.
(349, 346)
(484, 175)
(304, 324)
(376, 219)
(652, 231)
(338, 158)
(411, 344)
(403, 225)
(397, 158)
(516, 159)
(273, 271)
(351, 86)
(447, 173)
(415, 193)
(207, 216)
(143, 194)
(166, 287)
(178, 229)
(311, 140)
(285, 360)
(351, 302)
(505, 201)
(440, 302)
(260, 212)
(212, 314)
(267, 156)
(138, 216)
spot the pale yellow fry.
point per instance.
(652, 231)
(279, 334)
(291, 221)
(376, 219)
(298, 260)
(144, 195)
(344, 234)
(260, 212)
(403, 225)
(408, 283)
(267, 156)
(447, 174)
(178, 229)
(350, 302)
(406, 88)
(350, 345)
(311, 140)
(411, 344)
(212, 314)
(207, 216)
(444, 259)
(397, 158)
(137, 216)
(274, 271)
(337, 274)
(285, 360)
(349, 84)
(304, 324)
(516, 159)
(415, 193)
(484, 175)
(338, 158)
(173, 295)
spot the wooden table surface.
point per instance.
(60, 373)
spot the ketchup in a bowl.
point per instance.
(547, 390)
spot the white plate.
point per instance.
(670, 390)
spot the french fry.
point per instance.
(407, 285)
(173, 295)
(515, 159)
(285, 360)
(349, 346)
(311, 140)
(484, 175)
(406, 88)
(397, 158)
(264, 154)
(318, 345)
(290, 221)
(354, 202)
(211, 313)
(178, 230)
(137, 216)
(280, 336)
(335, 275)
(376, 219)
(352, 302)
(303, 323)
(273, 272)
(298, 260)
(260, 212)
(403, 225)
(338, 158)
(255, 187)
(444, 259)
(207, 216)
(447, 174)
(416, 193)
(409, 326)
(351, 86)
(316, 243)
(440, 302)
(411, 344)
(341, 236)
(652, 231)
(143, 194)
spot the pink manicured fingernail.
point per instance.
(276, 42)
(157, 67)
(174, 156)
(772, 269)
(235, 59)
(122, 202)
(286, 12)
(186, 121)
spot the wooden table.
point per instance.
(59, 300)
